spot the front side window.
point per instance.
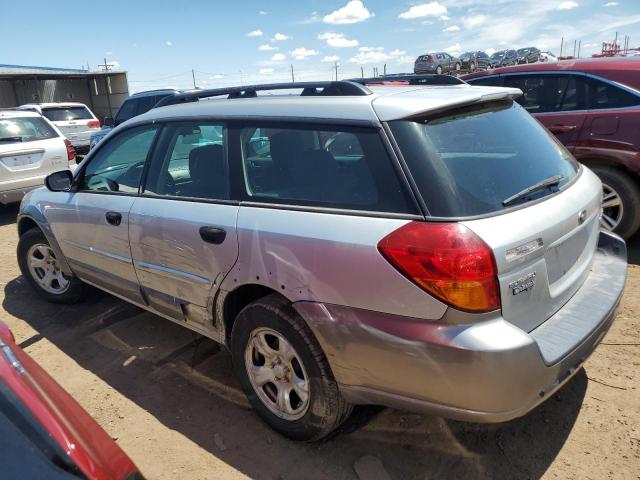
(474, 160)
(347, 168)
(66, 114)
(191, 162)
(24, 129)
(549, 93)
(127, 111)
(487, 81)
(117, 166)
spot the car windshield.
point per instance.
(24, 129)
(65, 114)
(498, 54)
(522, 51)
(470, 160)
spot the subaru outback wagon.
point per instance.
(431, 249)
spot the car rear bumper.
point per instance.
(490, 371)
(425, 68)
(13, 195)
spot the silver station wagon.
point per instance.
(427, 248)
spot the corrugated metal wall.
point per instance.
(90, 90)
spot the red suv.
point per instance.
(593, 107)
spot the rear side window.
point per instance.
(24, 129)
(347, 168)
(59, 114)
(193, 163)
(469, 161)
(605, 95)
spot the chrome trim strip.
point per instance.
(30, 151)
(15, 363)
(171, 272)
(113, 256)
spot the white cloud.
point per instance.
(108, 53)
(353, 12)
(474, 21)
(433, 9)
(266, 47)
(455, 48)
(337, 40)
(278, 57)
(611, 4)
(490, 51)
(452, 28)
(266, 71)
(168, 43)
(444, 18)
(216, 77)
(255, 33)
(376, 55)
(302, 53)
(314, 18)
(279, 37)
(262, 12)
(568, 5)
(331, 58)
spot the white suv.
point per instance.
(74, 120)
(30, 149)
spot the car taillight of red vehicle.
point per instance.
(447, 260)
(71, 152)
(93, 124)
(49, 434)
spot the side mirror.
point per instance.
(108, 122)
(59, 181)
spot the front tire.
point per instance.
(41, 268)
(284, 372)
(621, 201)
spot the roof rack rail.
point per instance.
(434, 79)
(336, 89)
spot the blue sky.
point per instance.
(228, 43)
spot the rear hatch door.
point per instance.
(77, 123)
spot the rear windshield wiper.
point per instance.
(11, 139)
(549, 182)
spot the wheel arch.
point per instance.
(35, 219)
(591, 162)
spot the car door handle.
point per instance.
(561, 128)
(114, 218)
(213, 235)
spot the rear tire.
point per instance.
(457, 67)
(274, 350)
(618, 185)
(41, 269)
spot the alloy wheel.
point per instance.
(612, 208)
(45, 269)
(277, 374)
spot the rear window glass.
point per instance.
(60, 114)
(24, 129)
(346, 168)
(470, 160)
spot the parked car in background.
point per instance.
(475, 61)
(528, 55)
(593, 107)
(31, 147)
(44, 433)
(267, 223)
(503, 58)
(74, 120)
(135, 105)
(438, 62)
(548, 57)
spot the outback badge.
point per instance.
(523, 284)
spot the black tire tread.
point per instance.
(625, 185)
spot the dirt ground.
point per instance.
(169, 399)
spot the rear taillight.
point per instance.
(447, 260)
(93, 124)
(71, 152)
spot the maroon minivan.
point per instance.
(593, 107)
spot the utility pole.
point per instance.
(385, 69)
(362, 71)
(579, 46)
(574, 48)
(293, 78)
(561, 45)
(106, 66)
(193, 75)
(336, 67)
